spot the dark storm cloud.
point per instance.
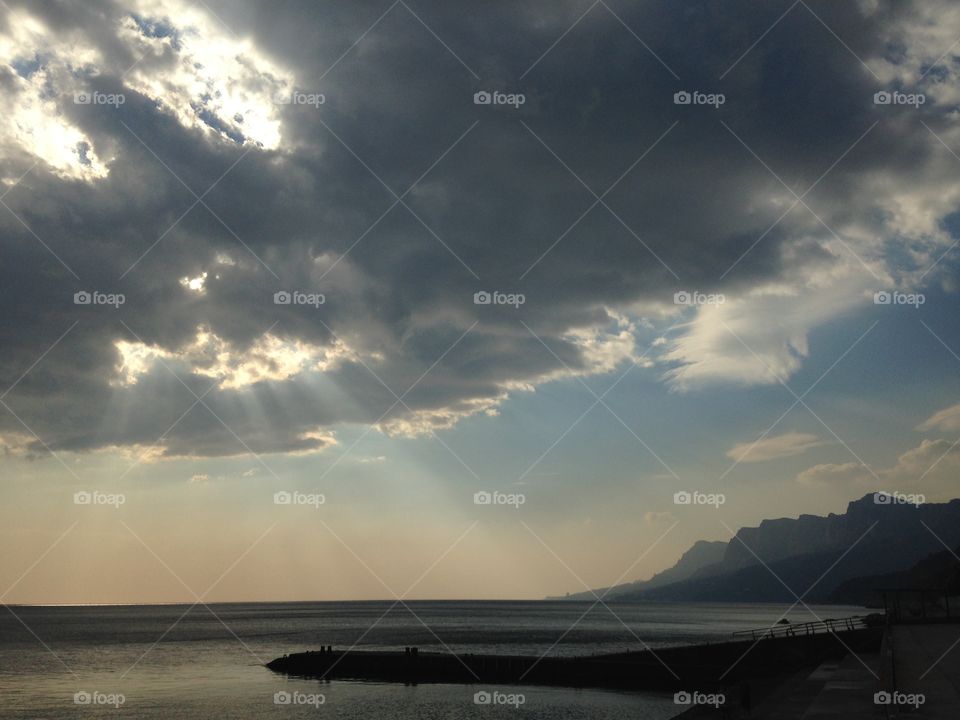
(290, 217)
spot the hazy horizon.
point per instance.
(386, 598)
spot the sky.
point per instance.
(368, 300)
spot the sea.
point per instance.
(208, 661)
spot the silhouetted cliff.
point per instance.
(939, 571)
(809, 556)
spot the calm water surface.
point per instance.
(173, 661)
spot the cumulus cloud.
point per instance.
(201, 197)
(930, 467)
(929, 457)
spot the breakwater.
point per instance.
(667, 669)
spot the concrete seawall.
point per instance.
(701, 667)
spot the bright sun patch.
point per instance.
(43, 66)
(204, 75)
(195, 283)
(188, 63)
(269, 359)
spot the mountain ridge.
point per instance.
(808, 557)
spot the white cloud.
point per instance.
(15, 444)
(32, 120)
(832, 474)
(931, 467)
(205, 76)
(947, 420)
(200, 73)
(425, 422)
(761, 336)
(927, 459)
(773, 447)
(926, 45)
(269, 358)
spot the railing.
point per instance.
(829, 625)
